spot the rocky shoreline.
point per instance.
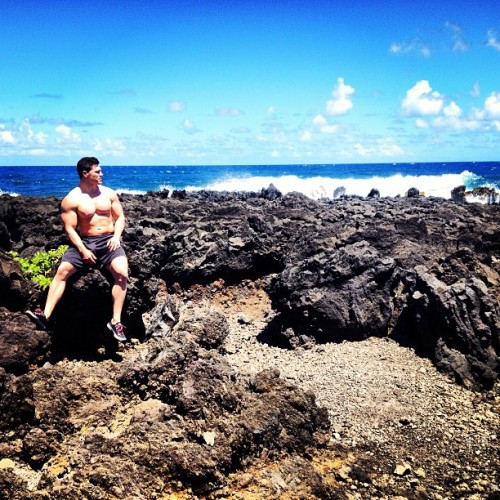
(279, 347)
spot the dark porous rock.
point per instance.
(39, 446)
(458, 194)
(484, 194)
(15, 290)
(413, 193)
(16, 403)
(374, 193)
(337, 270)
(21, 345)
(271, 192)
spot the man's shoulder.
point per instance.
(111, 193)
(73, 196)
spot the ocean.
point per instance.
(315, 181)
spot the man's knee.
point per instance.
(65, 271)
(119, 269)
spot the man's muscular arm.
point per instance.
(119, 221)
(69, 217)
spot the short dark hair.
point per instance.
(86, 164)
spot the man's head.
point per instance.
(86, 164)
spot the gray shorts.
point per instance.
(98, 246)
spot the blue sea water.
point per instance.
(315, 181)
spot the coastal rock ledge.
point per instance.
(168, 413)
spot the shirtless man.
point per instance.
(97, 213)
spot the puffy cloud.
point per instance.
(189, 127)
(109, 146)
(452, 110)
(492, 40)
(319, 121)
(492, 105)
(27, 135)
(342, 100)
(65, 135)
(177, 106)
(6, 136)
(420, 100)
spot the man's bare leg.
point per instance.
(57, 287)
(56, 291)
(119, 270)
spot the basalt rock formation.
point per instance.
(422, 271)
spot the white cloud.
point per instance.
(492, 40)
(109, 146)
(459, 44)
(452, 110)
(26, 134)
(321, 124)
(66, 136)
(414, 46)
(228, 111)
(396, 48)
(420, 100)
(455, 123)
(342, 101)
(387, 147)
(421, 123)
(189, 127)
(319, 121)
(306, 136)
(476, 90)
(382, 146)
(492, 105)
(6, 135)
(329, 129)
(177, 106)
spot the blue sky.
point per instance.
(264, 82)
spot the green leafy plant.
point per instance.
(40, 268)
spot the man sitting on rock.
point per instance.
(97, 213)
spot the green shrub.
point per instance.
(40, 268)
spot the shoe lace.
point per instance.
(119, 328)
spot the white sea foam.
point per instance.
(6, 192)
(129, 191)
(324, 187)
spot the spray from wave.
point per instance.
(326, 187)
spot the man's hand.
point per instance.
(114, 243)
(88, 256)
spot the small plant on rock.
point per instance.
(40, 268)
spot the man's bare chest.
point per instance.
(89, 207)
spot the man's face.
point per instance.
(94, 174)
